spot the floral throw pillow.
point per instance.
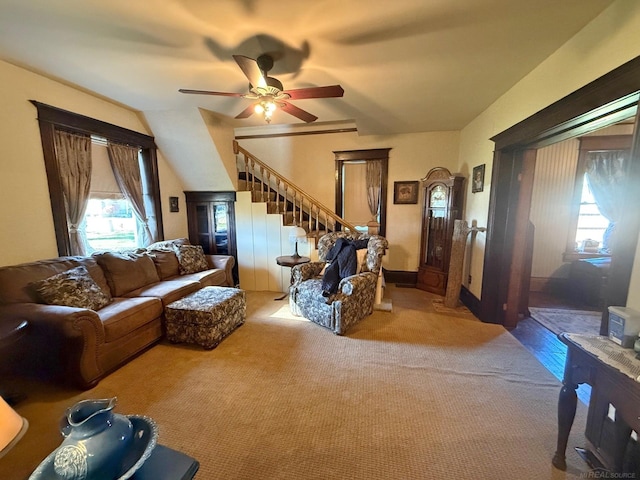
(191, 258)
(72, 288)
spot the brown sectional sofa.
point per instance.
(80, 345)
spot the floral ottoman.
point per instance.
(205, 317)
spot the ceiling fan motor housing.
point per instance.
(265, 63)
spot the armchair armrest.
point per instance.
(223, 262)
(362, 282)
(305, 271)
(65, 337)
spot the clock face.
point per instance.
(438, 197)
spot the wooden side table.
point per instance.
(614, 375)
(166, 463)
(10, 332)
(290, 261)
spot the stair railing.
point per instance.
(286, 191)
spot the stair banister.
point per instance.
(250, 159)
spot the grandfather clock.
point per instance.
(442, 205)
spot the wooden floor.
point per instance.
(544, 344)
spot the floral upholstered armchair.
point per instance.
(355, 294)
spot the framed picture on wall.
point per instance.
(173, 204)
(478, 179)
(405, 192)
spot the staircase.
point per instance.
(282, 196)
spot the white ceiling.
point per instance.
(405, 65)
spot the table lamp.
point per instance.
(295, 235)
(12, 427)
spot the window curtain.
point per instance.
(374, 187)
(73, 154)
(605, 172)
(126, 168)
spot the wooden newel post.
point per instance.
(458, 245)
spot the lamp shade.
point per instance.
(12, 427)
(297, 233)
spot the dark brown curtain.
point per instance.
(73, 153)
(126, 168)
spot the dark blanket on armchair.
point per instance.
(343, 263)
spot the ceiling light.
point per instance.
(265, 108)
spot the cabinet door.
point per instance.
(220, 215)
(204, 231)
(437, 222)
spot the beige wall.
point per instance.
(610, 40)
(26, 231)
(309, 161)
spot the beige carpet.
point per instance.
(572, 321)
(412, 394)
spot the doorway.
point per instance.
(575, 205)
(601, 103)
(361, 186)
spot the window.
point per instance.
(108, 215)
(591, 223)
(590, 229)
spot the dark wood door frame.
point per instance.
(345, 156)
(600, 103)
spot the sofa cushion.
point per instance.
(127, 271)
(191, 258)
(166, 263)
(208, 278)
(124, 315)
(167, 290)
(72, 288)
(16, 280)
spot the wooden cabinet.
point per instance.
(212, 224)
(442, 205)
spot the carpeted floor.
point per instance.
(408, 394)
(572, 321)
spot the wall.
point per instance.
(551, 201)
(610, 40)
(309, 161)
(27, 231)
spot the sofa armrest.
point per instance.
(223, 262)
(65, 337)
(305, 271)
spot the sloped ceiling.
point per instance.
(405, 65)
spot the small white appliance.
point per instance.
(624, 325)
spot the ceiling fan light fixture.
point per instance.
(265, 108)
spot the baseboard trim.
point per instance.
(470, 301)
(401, 278)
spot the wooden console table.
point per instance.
(614, 375)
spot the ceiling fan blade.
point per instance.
(251, 70)
(208, 92)
(316, 92)
(298, 112)
(246, 113)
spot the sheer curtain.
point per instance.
(126, 168)
(605, 172)
(73, 153)
(374, 183)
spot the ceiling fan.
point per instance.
(268, 92)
